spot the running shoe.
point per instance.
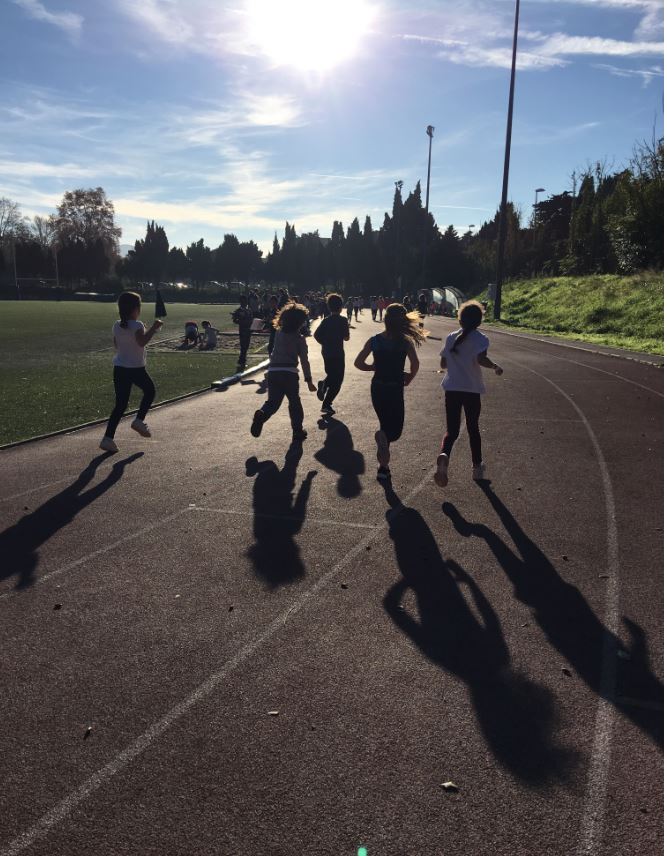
(140, 427)
(440, 477)
(328, 410)
(257, 423)
(383, 448)
(108, 445)
(479, 472)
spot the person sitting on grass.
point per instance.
(209, 337)
(191, 335)
(289, 349)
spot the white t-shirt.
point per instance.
(129, 353)
(464, 373)
(211, 336)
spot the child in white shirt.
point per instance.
(463, 355)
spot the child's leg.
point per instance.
(122, 383)
(244, 343)
(144, 382)
(294, 400)
(335, 368)
(472, 404)
(453, 405)
(276, 394)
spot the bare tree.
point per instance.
(44, 230)
(12, 223)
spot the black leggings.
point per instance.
(244, 344)
(335, 372)
(471, 403)
(122, 383)
(283, 384)
(389, 405)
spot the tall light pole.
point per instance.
(399, 186)
(537, 190)
(502, 225)
(429, 130)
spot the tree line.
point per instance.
(609, 222)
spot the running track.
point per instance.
(274, 655)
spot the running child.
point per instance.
(289, 349)
(390, 350)
(463, 355)
(243, 317)
(332, 332)
(130, 338)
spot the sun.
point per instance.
(309, 35)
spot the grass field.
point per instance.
(621, 311)
(56, 370)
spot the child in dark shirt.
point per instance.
(243, 317)
(332, 332)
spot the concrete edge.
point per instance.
(215, 385)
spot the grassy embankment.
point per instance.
(620, 311)
(55, 362)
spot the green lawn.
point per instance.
(620, 311)
(55, 362)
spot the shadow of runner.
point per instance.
(516, 715)
(278, 517)
(19, 544)
(338, 454)
(566, 618)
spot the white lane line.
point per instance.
(592, 368)
(598, 774)
(82, 561)
(287, 517)
(35, 489)
(65, 807)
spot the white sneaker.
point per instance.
(479, 472)
(141, 428)
(440, 477)
(383, 448)
(108, 445)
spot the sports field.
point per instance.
(55, 361)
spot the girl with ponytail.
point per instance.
(463, 355)
(390, 349)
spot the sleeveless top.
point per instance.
(389, 358)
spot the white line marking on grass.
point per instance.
(82, 561)
(596, 789)
(287, 517)
(65, 807)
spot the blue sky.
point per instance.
(216, 116)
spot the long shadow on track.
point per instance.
(278, 517)
(339, 455)
(516, 715)
(19, 544)
(566, 618)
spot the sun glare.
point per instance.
(310, 35)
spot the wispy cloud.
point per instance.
(646, 75)
(459, 37)
(69, 22)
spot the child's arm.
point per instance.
(408, 377)
(305, 365)
(360, 362)
(144, 338)
(483, 360)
